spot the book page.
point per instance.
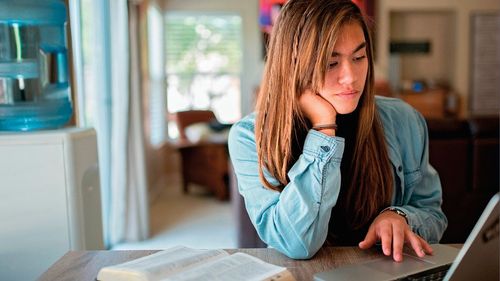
(160, 265)
(238, 266)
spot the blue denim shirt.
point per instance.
(295, 221)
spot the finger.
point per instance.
(416, 243)
(425, 246)
(398, 242)
(306, 97)
(370, 239)
(386, 237)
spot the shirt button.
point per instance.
(400, 168)
(325, 148)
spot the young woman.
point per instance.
(323, 159)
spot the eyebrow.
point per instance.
(359, 47)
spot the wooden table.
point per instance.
(84, 265)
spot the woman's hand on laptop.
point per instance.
(393, 231)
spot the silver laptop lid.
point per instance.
(478, 258)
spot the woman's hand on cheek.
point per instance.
(318, 110)
(393, 231)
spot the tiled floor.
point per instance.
(196, 220)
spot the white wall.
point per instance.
(436, 64)
(252, 44)
(462, 9)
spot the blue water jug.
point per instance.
(34, 87)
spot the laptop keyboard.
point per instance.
(433, 274)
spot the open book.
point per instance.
(181, 263)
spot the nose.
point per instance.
(346, 75)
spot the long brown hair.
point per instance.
(300, 45)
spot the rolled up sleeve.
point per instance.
(294, 221)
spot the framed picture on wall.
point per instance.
(268, 13)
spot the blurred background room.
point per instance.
(159, 83)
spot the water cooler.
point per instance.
(34, 84)
(50, 199)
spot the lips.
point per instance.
(347, 94)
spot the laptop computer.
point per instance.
(478, 258)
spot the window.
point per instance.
(203, 64)
(156, 55)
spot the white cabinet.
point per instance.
(50, 199)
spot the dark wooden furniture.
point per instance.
(431, 103)
(204, 162)
(84, 265)
(465, 153)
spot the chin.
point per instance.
(344, 104)
(345, 107)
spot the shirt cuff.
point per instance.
(322, 146)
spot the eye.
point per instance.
(359, 58)
(332, 64)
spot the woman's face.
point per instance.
(347, 69)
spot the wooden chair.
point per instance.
(204, 162)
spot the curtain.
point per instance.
(129, 204)
(138, 226)
(109, 94)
